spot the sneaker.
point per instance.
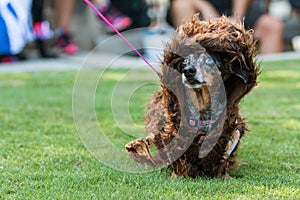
(8, 59)
(115, 17)
(42, 30)
(65, 42)
(12, 58)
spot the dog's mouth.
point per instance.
(192, 82)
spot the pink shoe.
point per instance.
(8, 59)
(42, 30)
(115, 17)
(71, 49)
(66, 43)
(120, 22)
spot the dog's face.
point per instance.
(199, 70)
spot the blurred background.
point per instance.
(88, 30)
(148, 27)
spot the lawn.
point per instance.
(44, 154)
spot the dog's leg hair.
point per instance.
(139, 151)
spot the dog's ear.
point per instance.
(227, 71)
(238, 71)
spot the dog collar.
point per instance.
(201, 125)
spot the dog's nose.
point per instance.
(189, 71)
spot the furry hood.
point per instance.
(232, 45)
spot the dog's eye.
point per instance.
(209, 61)
(185, 61)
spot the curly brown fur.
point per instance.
(170, 109)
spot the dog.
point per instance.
(194, 120)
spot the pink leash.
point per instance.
(121, 36)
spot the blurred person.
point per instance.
(63, 16)
(63, 13)
(267, 29)
(41, 29)
(15, 29)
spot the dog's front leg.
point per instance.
(139, 151)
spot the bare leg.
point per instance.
(64, 12)
(269, 31)
(181, 10)
(206, 9)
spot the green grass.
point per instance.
(43, 157)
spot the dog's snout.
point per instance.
(189, 71)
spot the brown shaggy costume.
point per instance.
(186, 147)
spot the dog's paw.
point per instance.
(139, 151)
